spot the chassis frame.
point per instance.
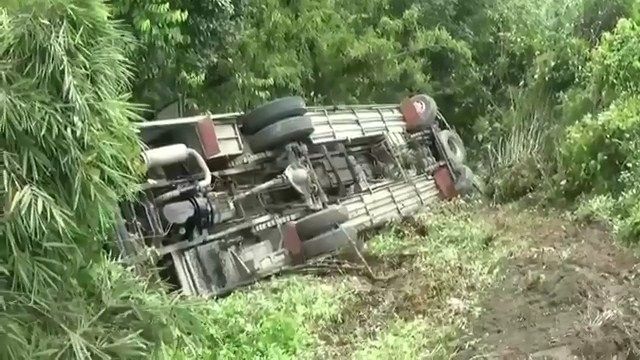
(217, 215)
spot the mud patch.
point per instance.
(572, 294)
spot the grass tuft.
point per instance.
(271, 320)
(438, 266)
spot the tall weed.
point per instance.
(516, 160)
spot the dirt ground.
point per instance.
(572, 294)
(566, 291)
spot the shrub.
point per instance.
(600, 208)
(615, 67)
(599, 148)
(69, 153)
(598, 17)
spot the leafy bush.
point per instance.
(598, 17)
(628, 225)
(342, 52)
(178, 45)
(69, 153)
(516, 158)
(597, 153)
(626, 215)
(615, 68)
(600, 160)
(599, 148)
(600, 208)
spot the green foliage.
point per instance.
(549, 63)
(455, 255)
(69, 153)
(599, 152)
(596, 208)
(615, 68)
(598, 148)
(276, 320)
(409, 340)
(178, 44)
(598, 155)
(628, 226)
(606, 70)
(80, 152)
(598, 17)
(515, 72)
(340, 51)
(516, 162)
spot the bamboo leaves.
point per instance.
(69, 152)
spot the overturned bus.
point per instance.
(233, 198)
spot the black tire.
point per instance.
(453, 147)
(429, 109)
(272, 112)
(467, 182)
(329, 241)
(464, 180)
(281, 133)
(324, 220)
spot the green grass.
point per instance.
(408, 339)
(436, 269)
(272, 320)
(442, 263)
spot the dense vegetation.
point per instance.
(545, 92)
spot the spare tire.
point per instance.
(281, 133)
(464, 182)
(453, 147)
(427, 110)
(271, 112)
(468, 182)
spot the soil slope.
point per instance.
(571, 294)
(492, 283)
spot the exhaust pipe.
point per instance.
(174, 154)
(165, 155)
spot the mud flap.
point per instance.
(445, 184)
(292, 243)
